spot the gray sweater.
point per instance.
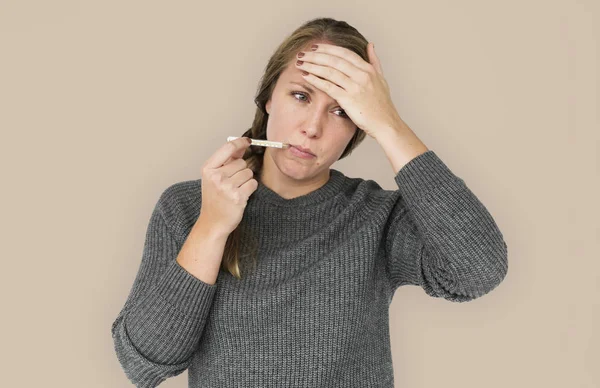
(314, 310)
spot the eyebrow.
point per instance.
(305, 86)
(308, 88)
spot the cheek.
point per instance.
(284, 123)
(286, 112)
(278, 128)
(292, 114)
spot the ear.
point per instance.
(268, 106)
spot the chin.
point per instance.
(296, 170)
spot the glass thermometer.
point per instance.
(263, 143)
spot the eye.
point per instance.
(300, 93)
(343, 114)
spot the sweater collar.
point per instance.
(332, 187)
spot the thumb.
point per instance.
(374, 59)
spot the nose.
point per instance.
(314, 124)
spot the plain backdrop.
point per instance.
(104, 104)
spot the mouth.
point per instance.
(307, 150)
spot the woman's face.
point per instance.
(302, 115)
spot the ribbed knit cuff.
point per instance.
(426, 174)
(141, 371)
(186, 292)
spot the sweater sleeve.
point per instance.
(439, 235)
(158, 329)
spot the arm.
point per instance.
(160, 325)
(440, 236)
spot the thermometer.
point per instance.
(263, 143)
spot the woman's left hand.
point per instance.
(358, 86)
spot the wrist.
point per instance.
(207, 227)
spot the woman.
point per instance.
(328, 251)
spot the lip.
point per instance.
(307, 150)
(300, 154)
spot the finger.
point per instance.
(342, 70)
(338, 71)
(330, 88)
(249, 187)
(233, 166)
(231, 149)
(374, 59)
(344, 53)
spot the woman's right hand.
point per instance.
(226, 185)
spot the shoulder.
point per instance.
(368, 195)
(365, 189)
(179, 204)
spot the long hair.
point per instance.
(326, 30)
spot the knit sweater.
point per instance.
(314, 311)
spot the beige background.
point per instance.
(104, 104)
